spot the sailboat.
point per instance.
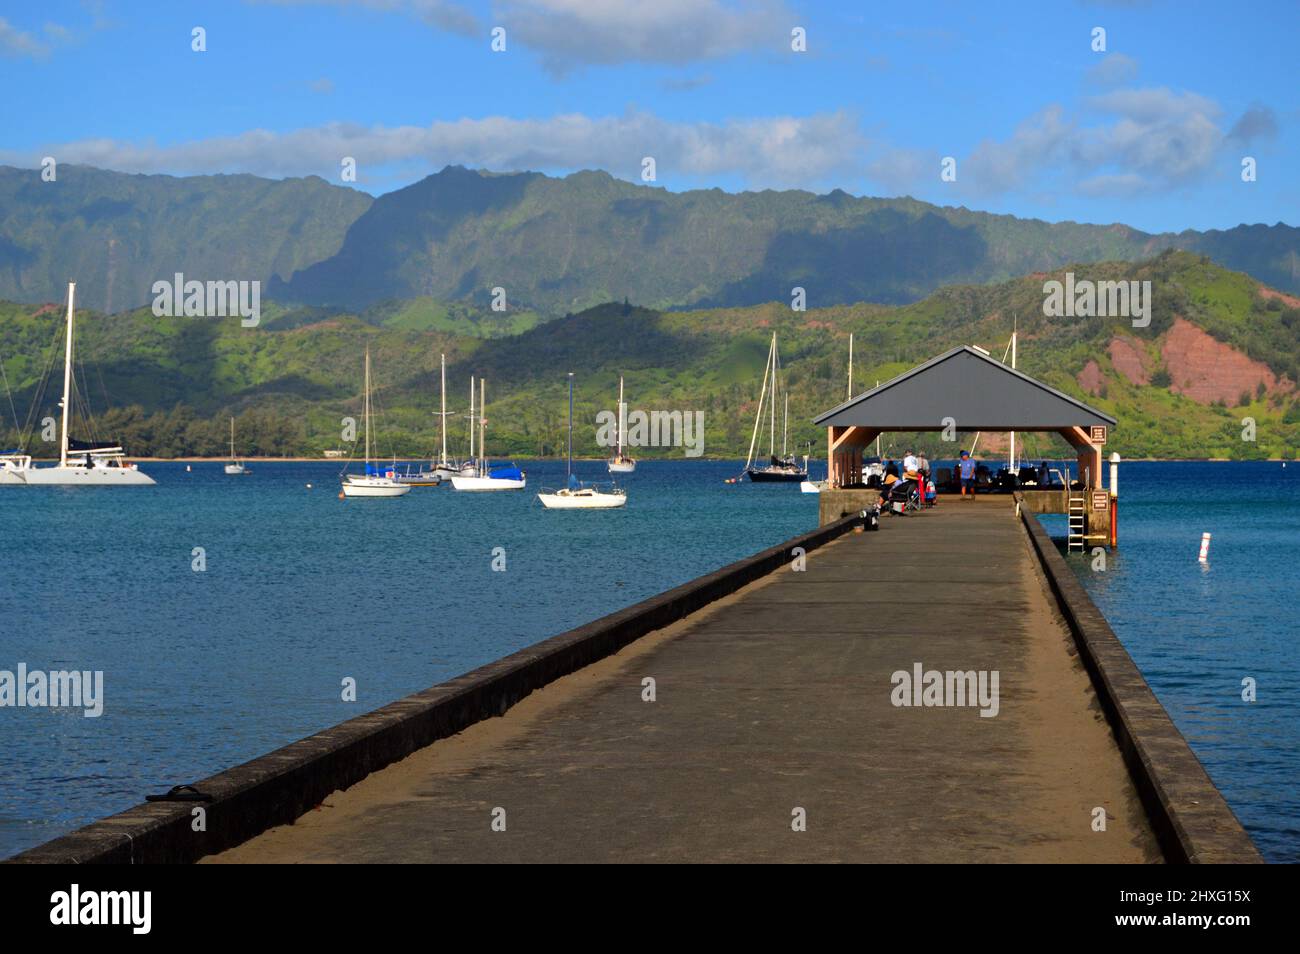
(782, 469)
(575, 496)
(374, 482)
(81, 463)
(441, 469)
(235, 466)
(469, 466)
(618, 464)
(817, 486)
(505, 477)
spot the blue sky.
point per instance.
(1150, 132)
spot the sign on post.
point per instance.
(1101, 500)
(1098, 435)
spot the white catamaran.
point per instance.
(618, 464)
(576, 496)
(505, 477)
(374, 482)
(81, 463)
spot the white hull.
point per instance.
(236, 469)
(622, 466)
(374, 487)
(486, 483)
(582, 500)
(812, 486)
(78, 476)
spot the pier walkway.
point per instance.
(774, 699)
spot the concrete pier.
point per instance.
(752, 715)
(777, 701)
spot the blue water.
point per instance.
(205, 670)
(1197, 631)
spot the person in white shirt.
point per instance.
(910, 464)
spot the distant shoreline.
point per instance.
(645, 460)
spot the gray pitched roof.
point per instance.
(975, 390)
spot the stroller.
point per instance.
(902, 497)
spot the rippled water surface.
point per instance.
(1197, 631)
(204, 670)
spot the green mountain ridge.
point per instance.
(553, 245)
(115, 234)
(170, 383)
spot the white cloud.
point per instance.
(19, 43)
(1113, 69)
(440, 14)
(568, 32)
(780, 151)
(1152, 139)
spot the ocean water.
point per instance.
(204, 670)
(1197, 631)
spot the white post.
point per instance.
(1114, 474)
(67, 379)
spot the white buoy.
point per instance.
(309, 486)
(187, 468)
(1205, 549)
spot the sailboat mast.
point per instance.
(442, 391)
(472, 422)
(785, 423)
(1011, 453)
(771, 443)
(482, 427)
(232, 438)
(569, 469)
(367, 410)
(622, 418)
(67, 379)
(758, 418)
(850, 365)
(877, 436)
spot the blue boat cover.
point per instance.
(380, 470)
(508, 472)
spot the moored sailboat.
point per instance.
(783, 468)
(376, 481)
(81, 463)
(576, 496)
(235, 466)
(505, 477)
(619, 464)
